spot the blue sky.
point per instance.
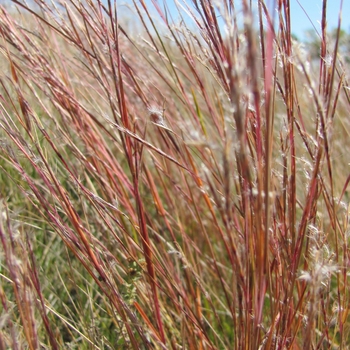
(300, 22)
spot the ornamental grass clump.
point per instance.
(177, 184)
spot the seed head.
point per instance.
(156, 115)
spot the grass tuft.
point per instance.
(180, 188)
